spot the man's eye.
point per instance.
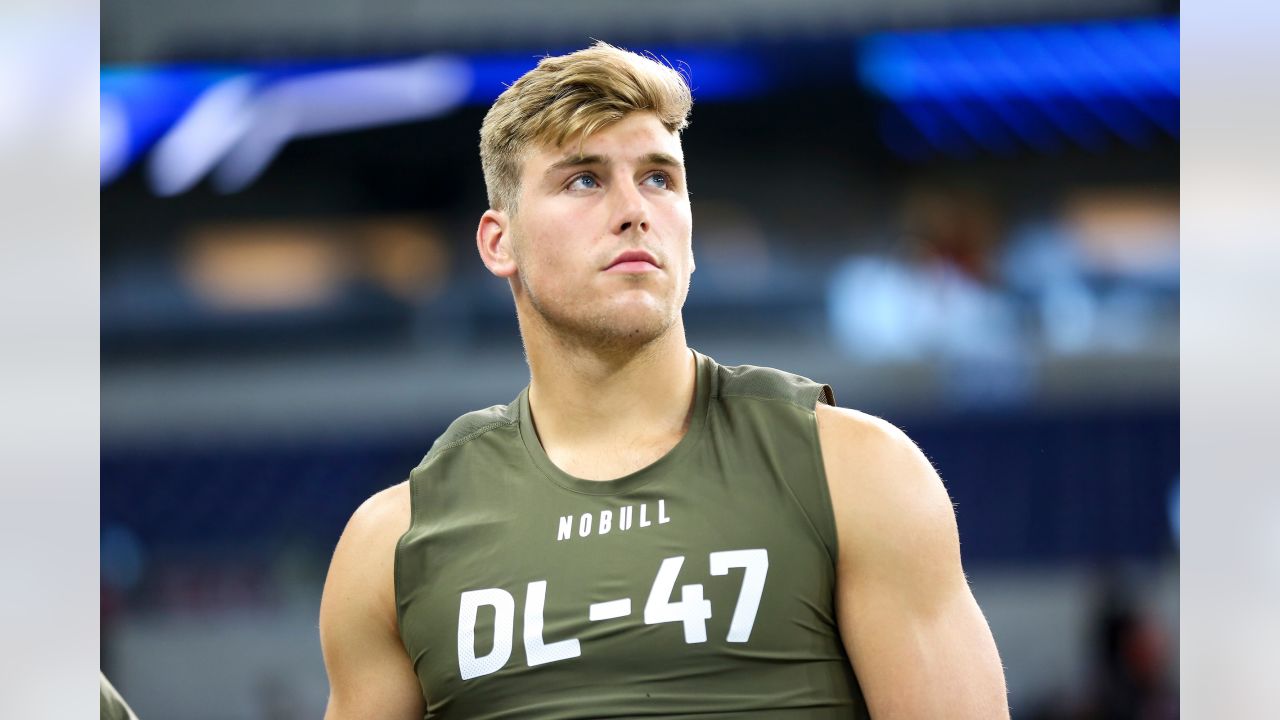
(660, 179)
(583, 182)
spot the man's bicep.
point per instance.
(370, 674)
(913, 661)
(917, 639)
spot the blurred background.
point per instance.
(964, 217)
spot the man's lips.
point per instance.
(633, 261)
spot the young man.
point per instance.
(644, 532)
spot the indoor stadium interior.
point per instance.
(963, 217)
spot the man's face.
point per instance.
(602, 235)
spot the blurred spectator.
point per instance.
(1128, 668)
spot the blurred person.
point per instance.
(644, 531)
(1128, 666)
(1131, 653)
(110, 705)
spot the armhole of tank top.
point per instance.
(832, 544)
(826, 396)
(395, 563)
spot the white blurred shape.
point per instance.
(338, 101)
(1068, 313)
(113, 144)
(875, 310)
(883, 310)
(220, 117)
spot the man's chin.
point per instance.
(625, 322)
(621, 331)
(632, 329)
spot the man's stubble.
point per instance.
(595, 326)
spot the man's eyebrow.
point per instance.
(573, 161)
(576, 161)
(661, 158)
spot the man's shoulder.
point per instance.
(866, 449)
(767, 383)
(883, 488)
(856, 430)
(382, 517)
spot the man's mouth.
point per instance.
(633, 261)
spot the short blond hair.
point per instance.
(570, 97)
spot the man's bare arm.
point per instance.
(919, 644)
(370, 674)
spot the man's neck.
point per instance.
(583, 398)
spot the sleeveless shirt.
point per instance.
(700, 585)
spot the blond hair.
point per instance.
(570, 97)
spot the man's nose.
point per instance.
(632, 213)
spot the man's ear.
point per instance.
(493, 240)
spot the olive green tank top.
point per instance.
(701, 585)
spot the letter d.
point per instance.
(504, 607)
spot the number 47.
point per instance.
(692, 610)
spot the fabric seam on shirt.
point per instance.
(465, 439)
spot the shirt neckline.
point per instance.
(703, 377)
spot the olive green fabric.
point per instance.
(112, 706)
(701, 585)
